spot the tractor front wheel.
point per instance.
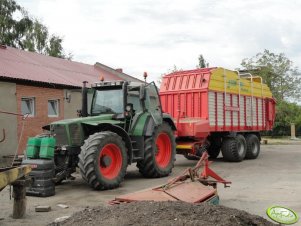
(103, 160)
(159, 153)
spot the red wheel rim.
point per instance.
(163, 153)
(110, 161)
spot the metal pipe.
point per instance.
(84, 112)
(17, 114)
(10, 113)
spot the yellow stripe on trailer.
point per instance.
(182, 146)
(223, 80)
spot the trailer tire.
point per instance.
(215, 148)
(253, 146)
(159, 153)
(234, 149)
(103, 160)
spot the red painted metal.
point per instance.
(231, 111)
(224, 111)
(191, 192)
(185, 95)
(245, 110)
(257, 125)
(163, 154)
(207, 172)
(270, 112)
(110, 161)
(190, 186)
(216, 112)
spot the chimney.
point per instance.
(119, 70)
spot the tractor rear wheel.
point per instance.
(253, 146)
(159, 153)
(234, 148)
(103, 160)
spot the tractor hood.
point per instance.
(71, 132)
(93, 120)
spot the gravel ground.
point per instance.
(272, 179)
(164, 213)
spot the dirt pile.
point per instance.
(164, 213)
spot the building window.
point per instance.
(53, 108)
(28, 106)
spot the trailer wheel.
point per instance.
(103, 160)
(215, 148)
(159, 153)
(253, 146)
(234, 149)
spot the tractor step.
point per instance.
(137, 153)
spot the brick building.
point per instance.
(47, 88)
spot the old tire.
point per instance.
(159, 153)
(81, 165)
(103, 160)
(215, 148)
(234, 149)
(253, 146)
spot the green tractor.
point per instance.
(124, 125)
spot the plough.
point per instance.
(191, 186)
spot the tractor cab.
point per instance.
(127, 101)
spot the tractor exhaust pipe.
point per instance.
(84, 112)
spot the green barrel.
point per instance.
(33, 147)
(47, 147)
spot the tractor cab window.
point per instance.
(133, 98)
(152, 103)
(108, 102)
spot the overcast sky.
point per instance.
(154, 35)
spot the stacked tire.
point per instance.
(42, 174)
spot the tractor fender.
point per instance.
(118, 130)
(150, 124)
(168, 119)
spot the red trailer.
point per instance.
(218, 109)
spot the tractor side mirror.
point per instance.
(142, 92)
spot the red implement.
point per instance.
(189, 187)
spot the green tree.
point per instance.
(12, 30)
(287, 113)
(202, 62)
(27, 33)
(278, 72)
